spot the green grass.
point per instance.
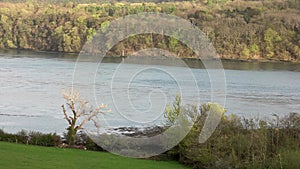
(17, 156)
(290, 159)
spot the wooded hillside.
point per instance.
(268, 30)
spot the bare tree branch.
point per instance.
(79, 110)
(65, 114)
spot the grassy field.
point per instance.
(23, 156)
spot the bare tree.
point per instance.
(78, 112)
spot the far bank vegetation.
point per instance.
(246, 30)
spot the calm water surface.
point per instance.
(32, 82)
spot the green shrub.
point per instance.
(38, 138)
(237, 142)
(33, 138)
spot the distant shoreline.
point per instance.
(76, 54)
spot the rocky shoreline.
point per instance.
(148, 131)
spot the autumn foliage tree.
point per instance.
(78, 112)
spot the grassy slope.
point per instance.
(22, 156)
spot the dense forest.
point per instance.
(238, 29)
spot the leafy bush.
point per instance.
(237, 142)
(33, 138)
(38, 138)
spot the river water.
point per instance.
(32, 84)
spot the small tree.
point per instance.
(80, 113)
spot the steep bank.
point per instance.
(240, 30)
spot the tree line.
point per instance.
(238, 29)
